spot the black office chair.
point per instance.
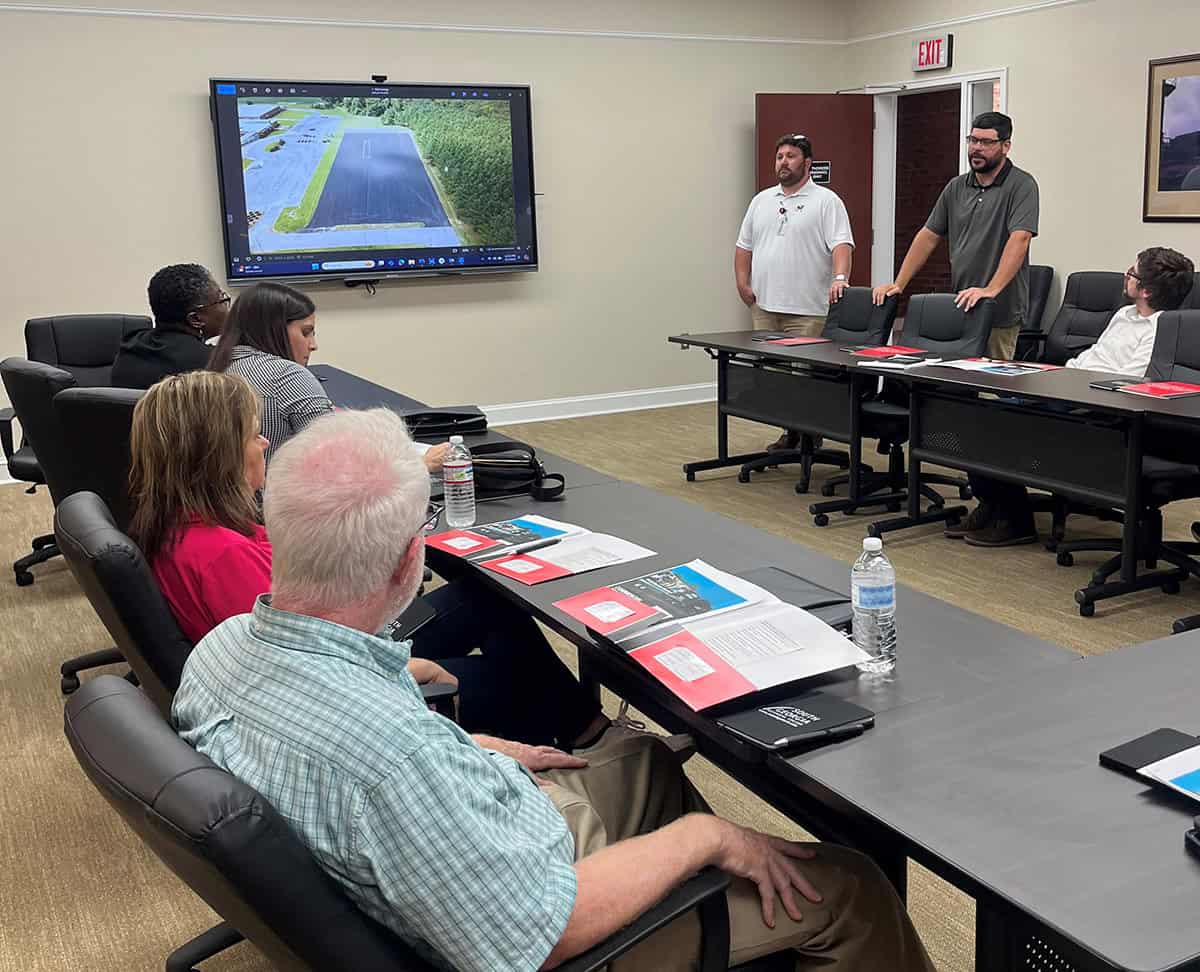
(230, 846)
(44, 456)
(121, 588)
(1090, 299)
(1170, 472)
(933, 324)
(32, 388)
(852, 320)
(1192, 300)
(1028, 340)
(97, 423)
(85, 346)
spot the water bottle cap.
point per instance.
(872, 544)
(456, 440)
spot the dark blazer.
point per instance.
(149, 356)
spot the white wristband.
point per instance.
(840, 276)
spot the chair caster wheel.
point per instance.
(69, 684)
(743, 477)
(1171, 587)
(1064, 558)
(964, 493)
(827, 490)
(24, 578)
(820, 520)
(895, 508)
(691, 477)
(802, 487)
(1087, 609)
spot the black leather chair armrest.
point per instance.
(1031, 335)
(6, 437)
(441, 697)
(704, 892)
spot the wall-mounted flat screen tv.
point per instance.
(330, 180)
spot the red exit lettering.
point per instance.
(929, 52)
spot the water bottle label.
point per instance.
(458, 474)
(880, 596)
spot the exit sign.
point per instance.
(933, 52)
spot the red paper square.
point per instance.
(526, 568)
(577, 607)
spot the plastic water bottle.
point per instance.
(873, 597)
(458, 491)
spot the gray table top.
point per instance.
(1066, 385)
(350, 391)
(1006, 787)
(946, 651)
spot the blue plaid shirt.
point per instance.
(452, 846)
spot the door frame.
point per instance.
(883, 196)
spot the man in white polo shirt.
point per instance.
(794, 250)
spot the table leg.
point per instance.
(724, 459)
(1133, 499)
(993, 946)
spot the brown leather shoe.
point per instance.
(977, 519)
(1002, 533)
(788, 440)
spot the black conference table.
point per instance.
(947, 657)
(1087, 447)
(982, 765)
(1005, 796)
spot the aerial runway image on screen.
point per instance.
(367, 173)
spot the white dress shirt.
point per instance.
(1125, 346)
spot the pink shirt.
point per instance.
(213, 573)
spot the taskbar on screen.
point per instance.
(451, 258)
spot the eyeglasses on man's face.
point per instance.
(1133, 274)
(432, 515)
(987, 143)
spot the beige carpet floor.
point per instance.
(77, 891)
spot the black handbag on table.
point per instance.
(511, 469)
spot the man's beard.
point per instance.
(793, 176)
(989, 165)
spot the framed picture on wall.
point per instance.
(1172, 180)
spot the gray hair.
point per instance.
(344, 498)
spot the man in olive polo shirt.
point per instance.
(990, 215)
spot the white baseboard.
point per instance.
(580, 405)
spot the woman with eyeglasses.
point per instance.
(189, 308)
(193, 485)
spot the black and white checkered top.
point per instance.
(290, 394)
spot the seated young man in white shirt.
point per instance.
(1159, 280)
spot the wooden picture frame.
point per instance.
(1171, 183)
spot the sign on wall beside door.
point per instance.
(933, 52)
(820, 172)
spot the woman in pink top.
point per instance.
(198, 463)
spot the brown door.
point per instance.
(842, 131)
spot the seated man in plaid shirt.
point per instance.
(482, 853)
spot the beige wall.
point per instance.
(643, 155)
(1077, 95)
(643, 151)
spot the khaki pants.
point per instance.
(1002, 342)
(634, 785)
(801, 325)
